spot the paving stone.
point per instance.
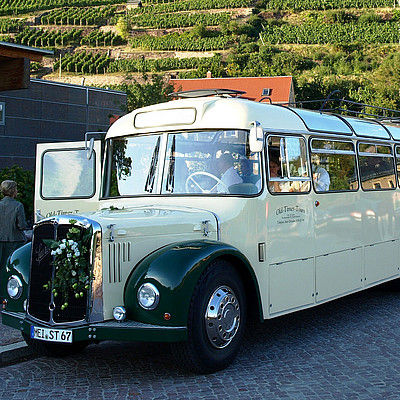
(347, 349)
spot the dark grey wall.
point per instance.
(52, 112)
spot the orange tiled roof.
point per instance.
(281, 86)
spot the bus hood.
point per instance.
(153, 221)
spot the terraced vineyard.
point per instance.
(323, 44)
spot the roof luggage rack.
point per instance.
(342, 106)
(191, 94)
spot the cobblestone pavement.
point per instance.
(347, 349)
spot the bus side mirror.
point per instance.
(90, 149)
(90, 137)
(256, 137)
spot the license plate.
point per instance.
(51, 335)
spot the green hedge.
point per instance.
(313, 33)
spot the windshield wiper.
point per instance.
(153, 166)
(171, 169)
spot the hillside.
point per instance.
(324, 44)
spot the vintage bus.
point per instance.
(191, 216)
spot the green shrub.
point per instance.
(26, 187)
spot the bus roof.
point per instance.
(235, 113)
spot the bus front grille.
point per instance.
(42, 305)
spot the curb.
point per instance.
(14, 352)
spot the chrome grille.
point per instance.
(42, 306)
(118, 253)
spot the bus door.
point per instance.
(290, 225)
(338, 219)
(67, 178)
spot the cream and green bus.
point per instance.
(190, 217)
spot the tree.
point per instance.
(123, 28)
(153, 90)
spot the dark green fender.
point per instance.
(18, 264)
(175, 270)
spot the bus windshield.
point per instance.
(179, 163)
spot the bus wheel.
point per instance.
(216, 320)
(54, 349)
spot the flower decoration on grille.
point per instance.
(73, 273)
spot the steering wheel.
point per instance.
(191, 179)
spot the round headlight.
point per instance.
(14, 287)
(148, 296)
(119, 313)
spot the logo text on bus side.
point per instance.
(285, 209)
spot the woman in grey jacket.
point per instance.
(12, 223)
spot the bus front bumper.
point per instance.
(108, 330)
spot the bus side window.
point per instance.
(288, 169)
(376, 166)
(397, 150)
(333, 165)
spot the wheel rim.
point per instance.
(222, 317)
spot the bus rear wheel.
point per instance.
(216, 320)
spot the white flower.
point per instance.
(63, 240)
(59, 251)
(69, 255)
(71, 242)
(53, 253)
(77, 253)
(73, 273)
(62, 246)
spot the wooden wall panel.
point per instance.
(14, 74)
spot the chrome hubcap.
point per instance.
(222, 317)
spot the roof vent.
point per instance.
(266, 92)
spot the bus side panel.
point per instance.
(381, 261)
(338, 274)
(291, 285)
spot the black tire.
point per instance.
(216, 320)
(54, 349)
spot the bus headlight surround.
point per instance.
(148, 296)
(14, 287)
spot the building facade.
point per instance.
(50, 112)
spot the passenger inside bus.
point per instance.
(275, 172)
(246, 171)
(321, 176)
(228, 174)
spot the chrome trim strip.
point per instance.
(218, 221)
(96, 313)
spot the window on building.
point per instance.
(333, 165)
(376, 166)
(2, 113)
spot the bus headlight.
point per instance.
(119, 313)
(148, 296)
(14, 287)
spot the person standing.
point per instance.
(12, 223)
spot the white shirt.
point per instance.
(229, 177)
(322, 179)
